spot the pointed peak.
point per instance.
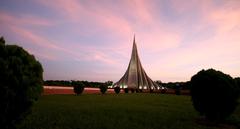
(134, 39)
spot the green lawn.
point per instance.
(112, 111)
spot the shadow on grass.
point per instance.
(230, 123)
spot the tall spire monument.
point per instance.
(135, 77)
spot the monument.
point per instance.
(135, 77)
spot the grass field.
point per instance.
(112, 111)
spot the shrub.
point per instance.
(163, 91)
(78, 87)
(20, 83)
(213, 94)
(103, 88)
(151, 90)
(126, 90)
(237, 80)
(132, 90)
(117, 89)
(137, 90)
(177, 89)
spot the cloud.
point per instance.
(175, 39)
(7, 18)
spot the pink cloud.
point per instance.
(39, 41)
(92, 55)
(7, 18)
(71, 8)
(225, 19)
(16, 26)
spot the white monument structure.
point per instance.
(135, 77)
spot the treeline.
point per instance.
(186, 85)
(172, 85)
(70, 83)
(175, 85)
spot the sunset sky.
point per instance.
(92, 39)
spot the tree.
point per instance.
(20, 83)
(2, 41)
(103, 88)
(213, 94)
(126, 90)
(177, 89)
(78, 87)
(109, 83)
(237, 80)
(117, 89)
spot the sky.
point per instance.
(92, 39)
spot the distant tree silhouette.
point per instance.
(237, 80)
(117, 89)
(2, 41)
(178, 89)
(126, 90)
(214, 94)
(78, 87)
(69, 83)
(108, 83)
(103, 88)
(20, 83)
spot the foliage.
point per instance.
(173, 85)
(151, 90)
(138, 90)
(78, 87)
(117, 89)
(57, 83)
(103, 88)
(122, 111)
(109, 83)
(177, 89)
(20, 83)
(2, 41)
(132, 90)
(213, 94)
(163, 91)
(237, 80)
(126, 90)
(69, 83)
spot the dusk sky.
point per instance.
(92, 39)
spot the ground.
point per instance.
(118, 111)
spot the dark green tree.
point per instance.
(78, 87)
(237, 80)
(178, 89)
(109, 83)
(103, 88)
(2, 41)
(20, 83)
(117, 89)
(214, 94)
(126, 90)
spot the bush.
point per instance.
(151, 90)
(132, 90)
(78, 87)
(20, 83)
(163, 91)
(237, 80)
(213, 94)
(137, 90)
(126, 90)
(103, 88)
(178, 89)
(117, 90)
